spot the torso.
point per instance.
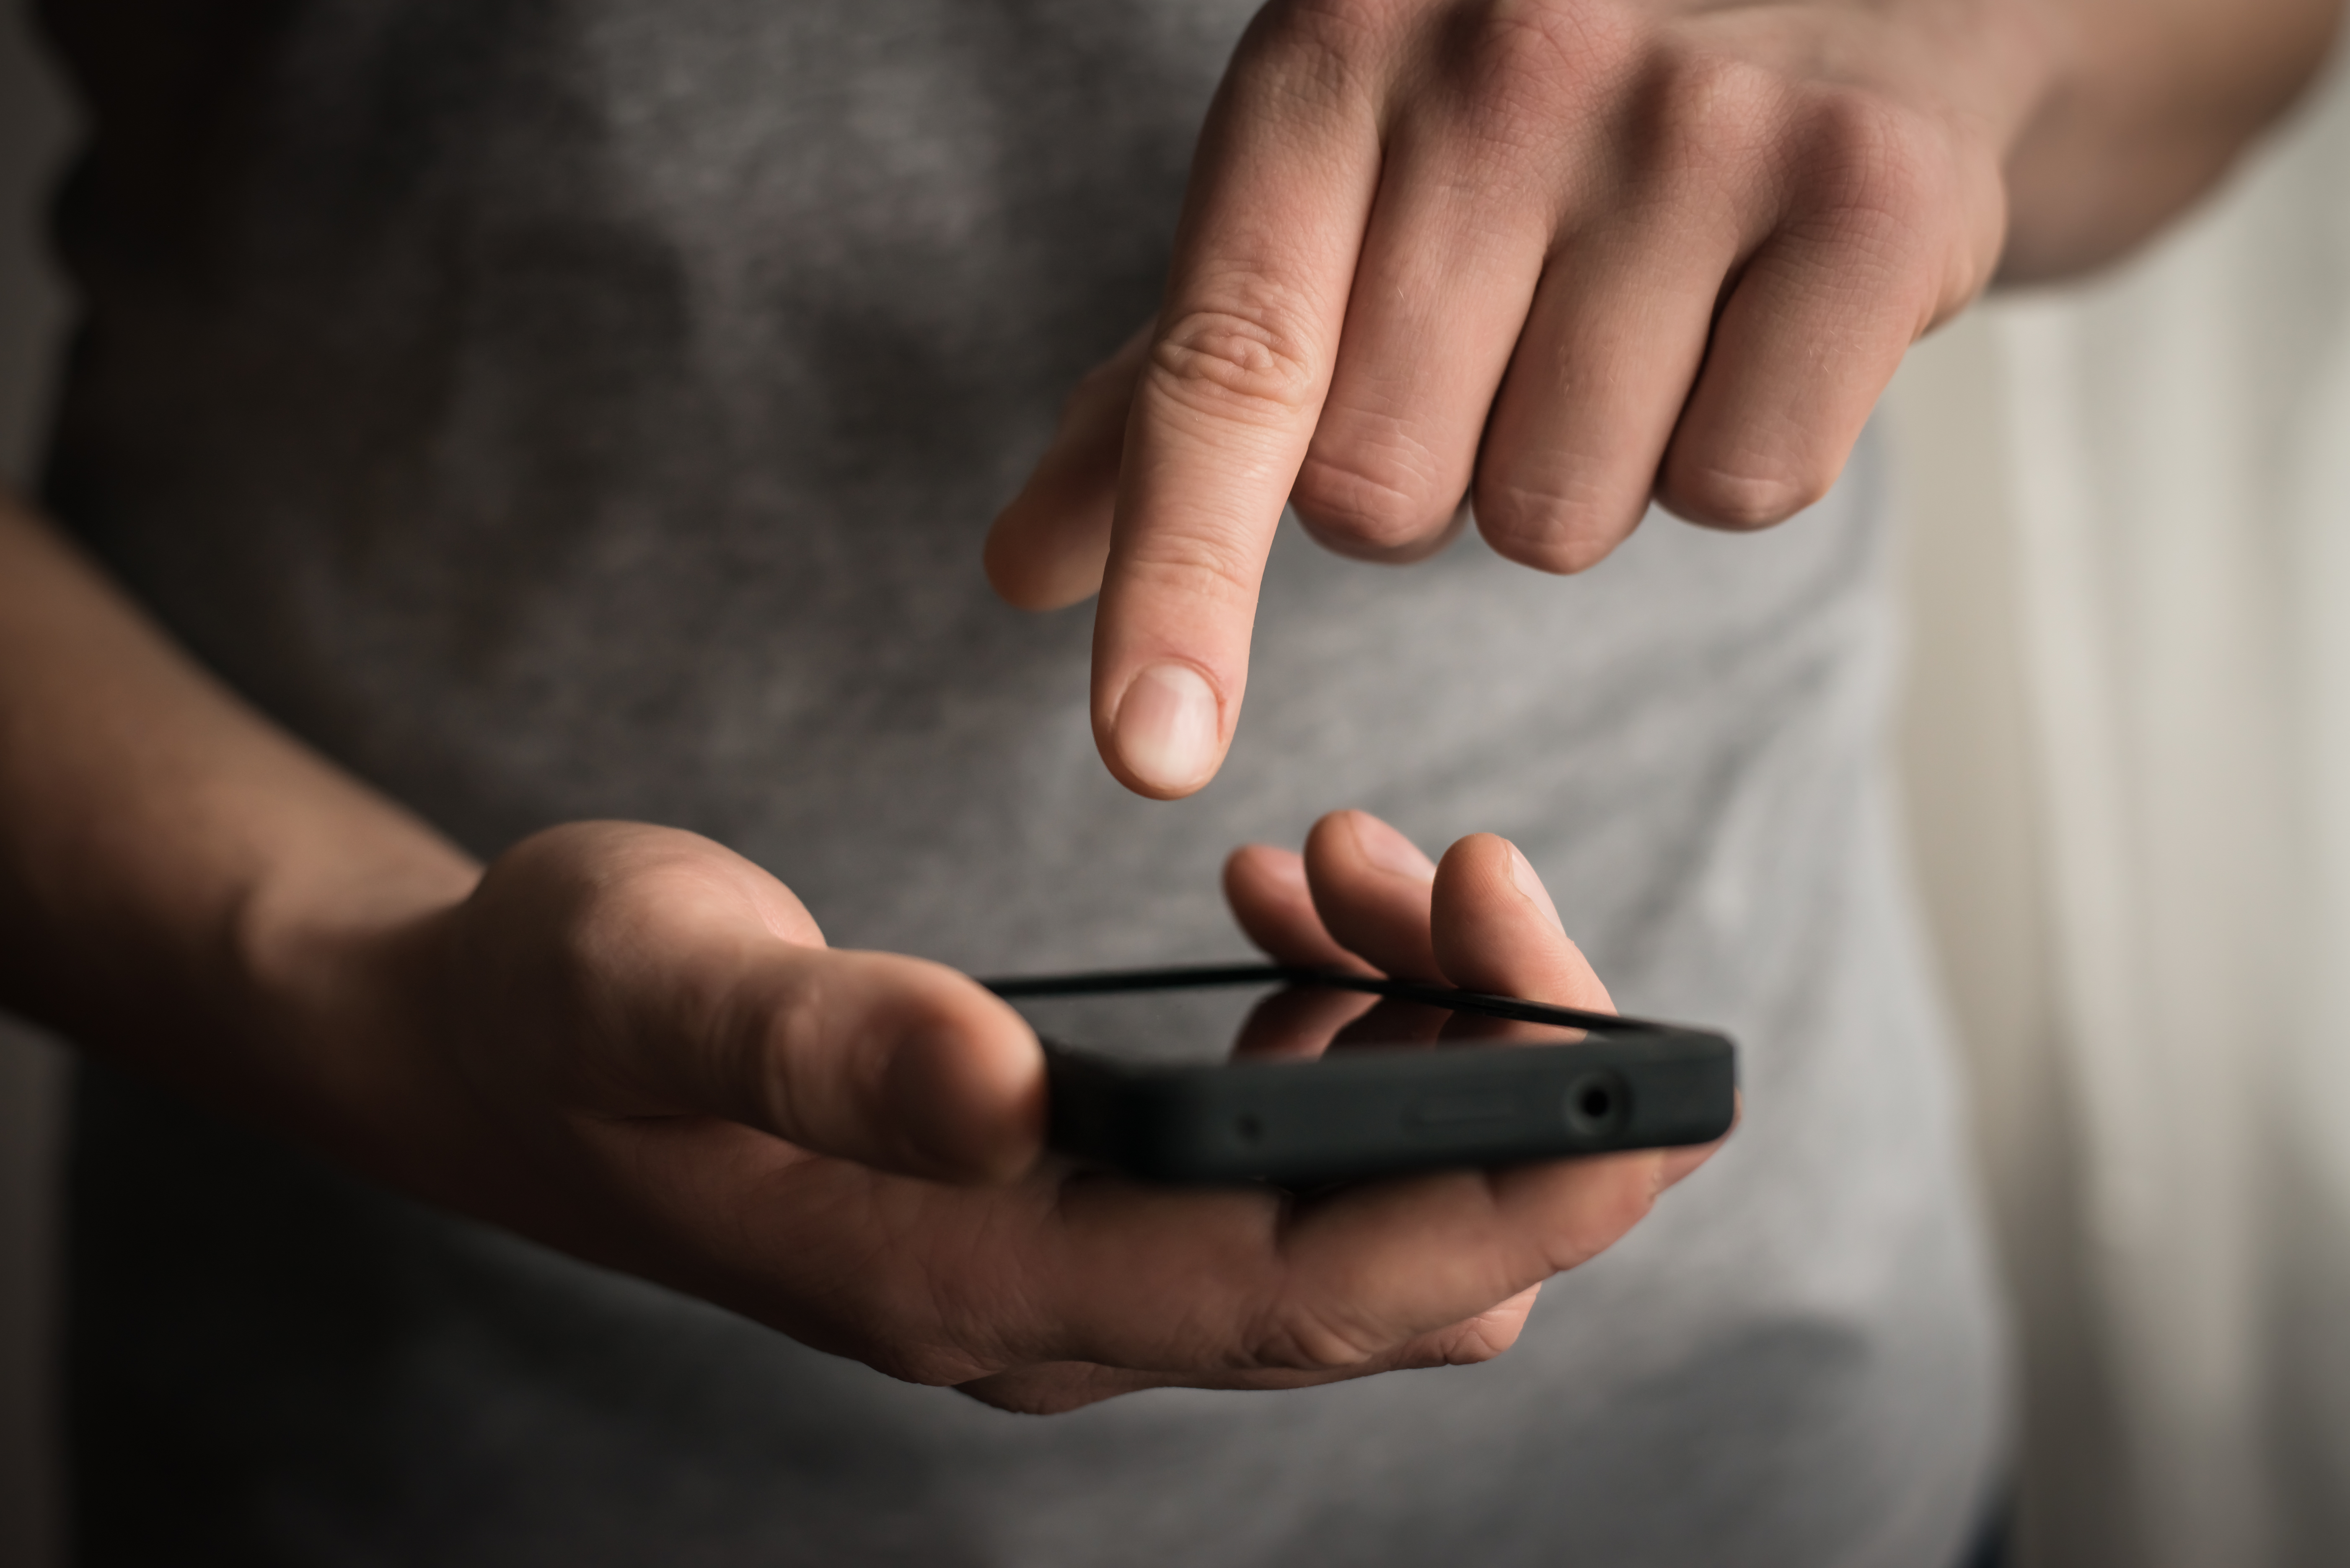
(595, 408)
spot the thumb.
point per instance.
(892, 1062)
(1049, 545)
(624, 971)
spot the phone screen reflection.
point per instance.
(1261, 1022)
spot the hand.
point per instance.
(1552, 256)
(635, 1046)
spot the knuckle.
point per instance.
(598, 925)
(887, 1293)
(816, 1078)
(1741, 497)
(1481, 1339)
(1206, 562)
(1515, 55)
(1872, 161)
(799, 1026)
(1379, 500)
(1331, 42)
(1300, 1338)
(600, 885)
(1247, 360)
(1710, 117)
(1565, 531)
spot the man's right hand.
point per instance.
(634, 1045)
(1559, 259)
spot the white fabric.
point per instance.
(2168, 540)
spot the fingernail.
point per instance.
(1166, 728)
(1522, 872)
(1389, 850)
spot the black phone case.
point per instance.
(1381, 1111)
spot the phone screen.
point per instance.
(1262, 1015)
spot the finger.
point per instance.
(1229, 1287)
(1055, 1387)
(1273, 907)
(1813, 332)
(1495, 929)
(1234, 1280)
(1228, 396)
(1371, 886)
(1196, 1283)
(1616, 337)
(1387, 1262)
(1048, 546)
(1449, 265)
(893, 1061)
(1620, 323)
(692, 1004)
(1201, 1283)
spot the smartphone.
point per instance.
(1301, 1077)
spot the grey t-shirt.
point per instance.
(554, 409)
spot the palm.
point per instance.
(847, 1147)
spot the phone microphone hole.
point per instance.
(1598, 1104)
(1248, 1128)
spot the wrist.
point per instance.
(331, 976)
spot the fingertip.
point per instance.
(1376, 844)
(1370, 884)
(964, 1093)
(1049, 546)
(1530, 887)
(1166, 734)
(1496, 929)
(1476, 875)
(1256, 874)
(1272, 904)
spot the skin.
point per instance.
(632, 1043)
(1554, 258)
(1540, 263)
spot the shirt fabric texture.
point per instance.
(595, 408)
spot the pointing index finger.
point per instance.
(1281, 193)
